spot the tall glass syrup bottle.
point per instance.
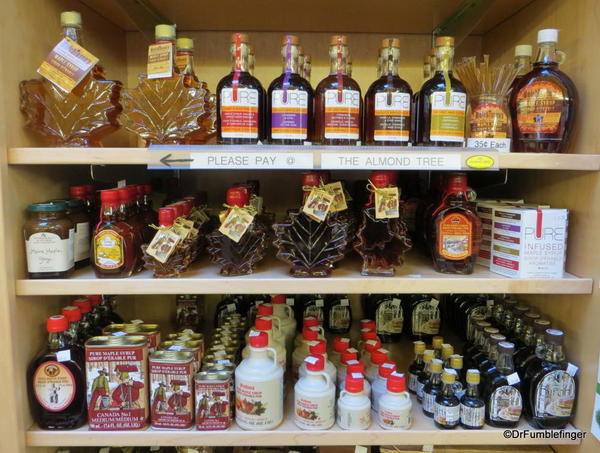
(427, 65)
(240, 99)
(442, 101)
(523, 61)
(544, 102)
(388, 102)
(338, 101)
(289, 100)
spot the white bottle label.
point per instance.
(289, 119)
(392, 117)
(82, 241)
(448, 120)
(258, 404)
(314, 412)
(239, 116)
(428, 402)
(446, 415)
(506, 404)
(394, 418)
(555, 395)
(426, 318)
(47, 252)
(354, 418)
(54, 386)
(413, 382)
(389, 317)
(420, 390)
(342, 116)
(472, 416)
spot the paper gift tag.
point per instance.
(236, 224)
(163, 244)
(318, 204)
(160, 60)
(387, 203)
(257, 203)
(339, 202)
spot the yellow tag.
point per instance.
(236, 224)
(339, 202)
(257, 203)
(387, 203)
(67, 64)
(480, 162)
(163, 244)
(160, 60)
(318, 204)
(199, 216)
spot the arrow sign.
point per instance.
(167, 162)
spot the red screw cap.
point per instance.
(57, 323)
(73, 314)
(372, 345)
(379, 356)
(259, 339)
(84, 305)
(380, 179)
(355, 383)
(349, 354)
(265, 310)
(263, 323)
(310, 321)
(386, 368)
(109, 196)
(238, 196)
(278, 299)
(396, 382)
(368, 334)
(354, 366)
(95, 299)
(318, 347)
(340, 344)
(368, 324)
(310, 333)
(166, 216)
(315, 362)
(77, 192)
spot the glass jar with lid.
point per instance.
(82, 224)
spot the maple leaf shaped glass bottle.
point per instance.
(543, 103)
(388, 102)
(237, 258)
(289, 100)
(240, 99)
(81, 118)
(338, 102)
(455, 229)
(166, 107)
(381, 243)
(311, 247)
(442, 101)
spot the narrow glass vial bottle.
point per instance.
(416, 367)
(446, 409)
(290, 100)
(338, 101)
(432, 388)
(442, 101)
(56, 380)
(472, 406)
(523, 54)
(388, 102)
(240, 98)
(456, 229)
(544, 102)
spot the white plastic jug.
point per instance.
(395, 407)
(314, 396)
(354, 408)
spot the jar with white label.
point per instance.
(314, 396)
(81, 223)
(49, 241)
(354, 407)
(394, 408)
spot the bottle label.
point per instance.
(389, 317)
(54, 386)
(314, 412)
(47, 252)
(258, 404)
(240, 117)
(555, 395)
(314, 310)
(506, 404)
(160, 60)
(448, 120)
(318, 204)
(420, 390)
(182, 61)
(339, 317)
(171, 399)
(428, 402)
(472, 416)
(489, 121)
(446, 415)
(392, 117)
(539, 107)
(354, 418)
(455, 233)
(236, 224)
(413, 382)
(289, 119)
(394, 418)
(342, 119)
(426, 318)
(339, 200)
(82, 241)
(108, 250)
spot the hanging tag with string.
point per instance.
(237, 221)
(339, 201)
(387, 201)
(164, 243)
(318, 203)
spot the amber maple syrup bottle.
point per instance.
(523, 61)
(289, 100)
(388, 102)
(307, 67)
(427, 64)
(338, 101)
(544, 102)
(456, 229)
(442, 101)
(240, 99)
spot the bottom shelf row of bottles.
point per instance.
(122, 376)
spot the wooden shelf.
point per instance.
(416, 276)
(306, 157)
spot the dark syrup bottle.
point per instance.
(240, 99)
(423, 316)
(472, 406)
(389, 317)
(289, 100)
(338, 314)
(56, 380)
(476, 344)
(416, 367)
(446, 409)
(527, 353)
(432, 388)
(424, 376)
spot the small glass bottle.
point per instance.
(389, 317)
(74, 332)
(544, 101)
(528, 353)
(423, 377)
(338, 101)
(446, 409)
(432, 388)
(415, 100)
(87, 326)
(148, 216)
(56, 381)
(289, 100)
(81, 193)
(81, 241)
(423, 316)
(240, 99)
(442, 101)
(127, 211)
(472, 406)
(523, 54)
(437, 344)
(456, 229)
(113, 253)
(416, 367)
(388, 102)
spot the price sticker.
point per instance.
(492, 144)
(344, 302)
(289, 301)
(319, 302)
(572, 369)
(63, 356)
(513, 379)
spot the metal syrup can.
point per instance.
(171, 387)
(213, 390)
(150, 331)
(193, 346)
(117, 382)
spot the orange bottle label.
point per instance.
(455, 237)
(108, 250)
(539, 108)
(489, 121)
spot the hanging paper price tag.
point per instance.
(163, 244)
(318, 204)
(160, 60)
(339, 202)
(236, 224)
(257, 202)
(387, 203)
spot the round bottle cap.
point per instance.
(338, 39)
(368, 334)
(278, 299)
(341, 344)
(379, 356)
(77, 192)
(187, 207)
(520, 309)
(447, 350)
(490, 331)
(442, 41)
(473, 376)
(311, 179)
(497, 338)
(449, 377)
(95, 299)
(315, 362)
(72, 313)
(310, 333)
(178, 209)
(480, 325)
(57, 323)
(139, 190)
(355, 383)
(292, 39)
(109, 196)
(164, 31)
(147, 189)
(48, 207)
(72, 18)
(372, 345)
(166, 216)
(390, 42)
(185, 43)
(265, 310)
(348, 355)
(237, 196)
(541, 325)
(456, 361)
(259, 339)
(437, 342)
(355, 366)
(318, 347)
(263, 323)
(555, 337)
(531, 316)
(428, 355)
(396, 382)
(386, 368)
(124, 195)
(419, 347)
(367, 324)
(547, 35)
(84, 305)
(506, 347)
(310, 321)
(243, 37)
(436, 366)
(380, 179)
(523, 50)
